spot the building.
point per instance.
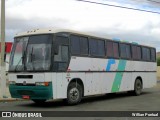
(8, 47)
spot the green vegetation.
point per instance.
(158, 61)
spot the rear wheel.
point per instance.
(74, 93)
(138, 87)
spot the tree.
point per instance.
(158, 61)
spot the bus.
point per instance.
(49, 64)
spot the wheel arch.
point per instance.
(79, 81)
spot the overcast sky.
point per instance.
(130, 25)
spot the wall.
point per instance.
(7, 61)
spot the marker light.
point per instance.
(12, 82)
(42, 83)
(135, 43)
(116, 39)
(125, 41)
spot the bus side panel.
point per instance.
(54, 84)
(107, 82)
(149, 79)
(94, 83)
(96, 88)
(60, 86)
(126, 81)
(62, 81)
(99, 83)
(80, 64)
(88, 83)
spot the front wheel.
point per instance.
(138, 87)
(74, 93)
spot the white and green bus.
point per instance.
(50, 64)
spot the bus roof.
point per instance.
(53, 30)
(56, 30)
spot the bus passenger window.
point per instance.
(109, 48)
(125, 51)
(145, 54)
(116, 50)
(153, 55)
(93, 47)
(101, 48)
(75, 45)
(84, 45)
(139, 53)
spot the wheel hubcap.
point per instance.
(74, 94)
(139, 87)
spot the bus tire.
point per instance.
(74, 93)
(37, 101)
(138, 87)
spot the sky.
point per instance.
(125, 24)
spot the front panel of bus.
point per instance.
(32, 61)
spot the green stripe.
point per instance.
(118, 76)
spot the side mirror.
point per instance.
(4, 57)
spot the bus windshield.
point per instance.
(31, 53)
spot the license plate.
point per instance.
(25, 97)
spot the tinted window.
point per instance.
(79, 45)
(97, 47)
(62, 40)
(101, 48)
(145, 54)
(93, 47)
(40, 39)
(139, 53)
(128, 51)
(115, 50)
(134, 52)
(125, 51)
(75, 45)
(153, 55)
(61, 60)
(109, 48)
(84, 46)
(148, 54)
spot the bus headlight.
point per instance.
(12, 82)
(42, 83)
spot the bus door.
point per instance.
(60, 65)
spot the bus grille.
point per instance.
(28, 84)
(25, 92)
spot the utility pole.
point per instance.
(3, 67)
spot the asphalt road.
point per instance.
(148, 101)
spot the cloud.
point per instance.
(152, 5)
(23, 15)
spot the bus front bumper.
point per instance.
(32, 92)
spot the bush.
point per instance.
(158, 61)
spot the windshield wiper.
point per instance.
(32, 58)
(22, 58)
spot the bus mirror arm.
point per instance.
(5, 57)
